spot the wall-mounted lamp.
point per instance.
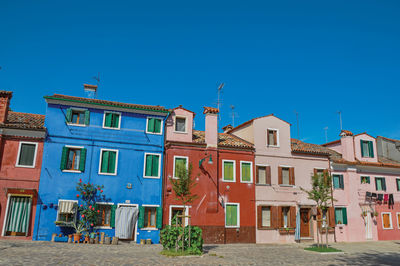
(209, 160)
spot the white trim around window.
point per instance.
(119, 120)
(78, 110)
(159, 165)
(104, 227)
(116, 162)
(251, 172)
(390, 219)
(187, 164)
(398, 219)
(277, 138)
(238, 215)
(234, 170)
(186, 126)
(19, 153)
(179, 206)
(58, 209)
(161, 127)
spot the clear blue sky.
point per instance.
(273, 56)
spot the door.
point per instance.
(368, 226)
(126, 217)
(304, 222)
(18, 216)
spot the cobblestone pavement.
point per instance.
(42, 253)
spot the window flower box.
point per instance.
(64, 224)
(287, 231)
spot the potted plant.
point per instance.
(363, 214)
(79, 228)
(374, 214)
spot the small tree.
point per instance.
(182, 186)
(321, 193)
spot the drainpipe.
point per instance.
(165, 161)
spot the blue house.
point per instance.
(114, 144)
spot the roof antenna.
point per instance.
(233, 114)
(97, 79)
(326, 134)
(219, 91)
(340, 119)
(298, 126)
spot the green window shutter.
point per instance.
(398, 184)
(228, 171)
(68, 116)
(159, 218)
(104, 161)
(341, 182)
(107, 122)
(376, 183)
(344, 214)
(112, 216)
(336, 181)
(150, 125)
(246, 172)
(157, 125)
(82, 160)
(112, 162)
(154, 169)
(141, 217)
(148, 165)
(64, 157)
(362, 148)
(383, 184)
(368, 180)
(87, 117)
(228, 215)
(115, 120)
(371, 149)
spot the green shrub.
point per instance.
(170, 234)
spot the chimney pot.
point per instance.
(5, 97)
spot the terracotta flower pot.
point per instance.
(77, 238)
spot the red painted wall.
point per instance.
(18, 180)
(206, 211)
(388, 234)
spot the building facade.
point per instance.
(107, 143)
(366, 187)
(21, 148)
(223, 169)
(283, 167)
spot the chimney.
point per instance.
(211, 126)
(347, 143)
(227, 128)
(5, 97)
(90, 91)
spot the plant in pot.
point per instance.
(79, 228)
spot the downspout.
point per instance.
(164, 175)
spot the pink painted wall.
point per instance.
(171, 134)
(357, 146)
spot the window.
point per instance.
(152, 165)
(398, 184)
(380, 183)
(73, 159)
(112, 120)
(263, 175)
(365, 180)
(266, 216)
(67, 211)
(154, 125)
(340, 216)
(180, 162)
(232, 215)
(77, 116)
(286, 175)
(367, 149)
(272, 137)
(104, 214)
(108, 162)
(285, 217)
(246, 172)
(26, 154)
(324, 218)
(228, 171)
(175, 212)
(180, 124)
(387, 220)
(319, 172)
(338, 182)
(150, 216)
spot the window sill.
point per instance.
(180, 132)
(342, 189)
(152, 133)
(25, 166)
(284, 231)
(153, 177)
(229, 181)
(149, 229)
(388, 228)
(232, 227)
(263, 185)
(340, 225)
(102, 227)
(72, 171)
(77, 125)
(64, 224)
(108, 174)
(272, 146)
(113, 128)
(266, 228)
(246, 182)
(283, 185)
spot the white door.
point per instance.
(368, 226)
(126, 221)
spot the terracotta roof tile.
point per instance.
(346, 133)
(108, 103)
(24, 121)
(299, 146)
(224, 140)
(251, 120)
(210, 110)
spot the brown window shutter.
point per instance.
(279, 217)
(291, 176)
(274, 217)
(257, 182)
(268, 175)
(268, 138)
(293, 216)
(275, 138)
(259, 217)
(279, 175)
(331, 213)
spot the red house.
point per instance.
(223, 167)
(21, 148)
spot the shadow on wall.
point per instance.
(208, 248)
(390, 258)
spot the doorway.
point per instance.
(368, 226)
(305, 222)
(18, 213)
(126, 216)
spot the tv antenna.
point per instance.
(298, 126)
(326, 134)
(340, 119)
(233, 114)
(219, 91)
(97, 79)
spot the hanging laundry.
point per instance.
(385, 198)
(374, 195)
(391, 201)
(380, 197)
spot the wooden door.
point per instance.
(304, 222)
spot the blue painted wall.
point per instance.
(131, 141)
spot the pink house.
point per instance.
(364, 185)
(283, 166)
